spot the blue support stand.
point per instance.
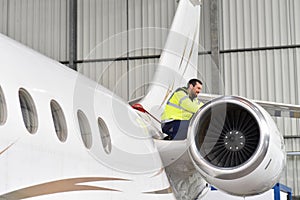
(279, 187)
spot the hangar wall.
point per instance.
(260, 45)
(119, 42)
(125, 40)
(41, 25)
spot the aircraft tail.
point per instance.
(179, 58)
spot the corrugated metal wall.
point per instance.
(114, 30)
(119, 43)
(39, 24)
(130, 34)
(260, 61)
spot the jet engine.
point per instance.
(236, 146)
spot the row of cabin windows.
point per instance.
(30, 118)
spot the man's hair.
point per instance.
(194, 81)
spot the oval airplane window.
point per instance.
(3, 109)
(59, 121)
(28, 111)
(105, 136)
(85, 129)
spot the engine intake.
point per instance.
(227, 135)
(234, 143)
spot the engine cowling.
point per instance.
(236, 146)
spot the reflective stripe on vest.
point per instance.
(174, 109)
(179, 107)
(182, 99)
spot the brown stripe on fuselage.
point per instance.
(163, 191)
(65, 185)
(1, 152)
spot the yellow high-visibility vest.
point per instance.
(180, 106)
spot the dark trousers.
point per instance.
(176, 129)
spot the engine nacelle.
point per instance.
(236, 146)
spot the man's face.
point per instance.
(195, 90)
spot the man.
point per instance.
(179, 109)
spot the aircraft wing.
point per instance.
(273, 108)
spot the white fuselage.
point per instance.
(39, 165)
(63, 136)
